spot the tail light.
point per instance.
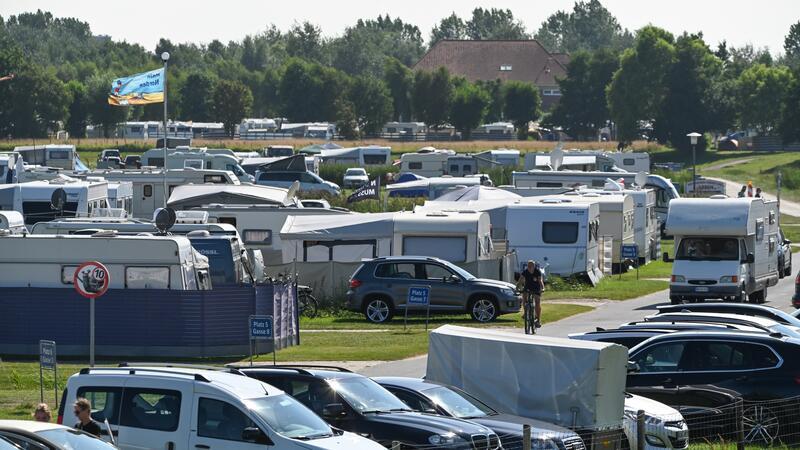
(672, 278)
(354, 283)
(797, 278)
(60, 420)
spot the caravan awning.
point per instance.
(338, 227)
(478, 193)
(190, 195)
(569, 160)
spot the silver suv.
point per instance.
(380, 287)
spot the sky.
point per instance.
(761, 23)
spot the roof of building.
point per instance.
(482, 60)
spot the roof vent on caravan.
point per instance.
(437, 214)
(719, 196)
(553, 201)
(193, 217)
(198, 233)
(105, 233)
(164, 219)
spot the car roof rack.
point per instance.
(132, 371)
(301, 368)
(224, 369)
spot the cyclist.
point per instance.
(532, 291)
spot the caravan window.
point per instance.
(68, 274)
(560, 232)
(453, 249)
(58, 154)
(628, 162)
(258, 237)
(147, 277)
(148, 190)
(547, 184)
(193, 164)
(216, 179)
(454, 168)
(417, 165)
(374, 159)
(759, 230)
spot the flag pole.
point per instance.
(165, 58)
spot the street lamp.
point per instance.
(693, 136)
(165, 58)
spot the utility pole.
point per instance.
(165, 58)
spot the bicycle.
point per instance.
(529, 313)
(306, 302)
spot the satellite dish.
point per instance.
(640, 179)
(58, 199)
(291, 194)
(164, 219)
(557, 156)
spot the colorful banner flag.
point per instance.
(139, 89)
(369, 190)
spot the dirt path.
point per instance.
(728, 164)
(788, 207)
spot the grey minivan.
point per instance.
(380, 287)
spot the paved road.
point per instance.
(608, 315)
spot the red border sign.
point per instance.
(97, 282)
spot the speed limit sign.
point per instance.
(91, 279)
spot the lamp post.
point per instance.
(165, 58)
(693, 136)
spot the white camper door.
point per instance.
(453, 249)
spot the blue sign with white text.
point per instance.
(630, 251)
(261, 327)
(419, 295)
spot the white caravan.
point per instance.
(665, 191)
(430, 187)
(591, 160)
(13, 222)
(725, 248)
(197, 158)
(459, 237)
(260, 225)
(34, 199)
(562, 237)
(134, 262)
(148, 184)
(427, 162)
(371, 155)
(51, 155)
(120, 196)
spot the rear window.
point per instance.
(152, 409)
(560, 232)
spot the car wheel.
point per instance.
(761, 425)
(378, 310)
(483, 310)
(675, 300)
(741, 297)
(757, 297)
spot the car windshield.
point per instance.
(69, 439)
(7, 445)
(365, 395)
(458, 404)
(288, 417)
(708, 249)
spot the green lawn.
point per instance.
(611, 288)
(762, 169)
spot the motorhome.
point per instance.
(148, 184)
(430, 188)
(35, 199)
(631, 161)
(426, 162)
(491, 159)
(371, 155)
(184, 157)
(13, 222)
(134, 262)
(260, 225)
(561, 236)
(591, 160)
(665, 191)
(724, 248)
(61, 155)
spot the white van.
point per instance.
(183, 408)
(724, 248)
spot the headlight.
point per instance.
(507, 292)
(729, 279)
(655, 441)
(543, 444)
(678, 279)
(443, 439)
(652, 420)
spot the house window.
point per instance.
(551, 92)
(505, 68)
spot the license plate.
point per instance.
(701, 289)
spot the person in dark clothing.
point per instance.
(83, 411)
(743, 192)
(534, 286)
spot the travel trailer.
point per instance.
(724, 248)
(61, 156)
(260, 225)
(591, 160)
(120, 196)
(197, 158)
(34, 199)
(430, 187)
(561, 236)
(458, 237)
(427, 162)
(134, 262)
(372, 155)
(148, 184)
(13, 222)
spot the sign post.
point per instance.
(47, 361)
(631, 251)
(91, 280)
(418, 296)
(262, 329)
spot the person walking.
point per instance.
(83, 411)
(758, 192)
(42, 413)
(532, 291)
(749, 188)
(743, 192)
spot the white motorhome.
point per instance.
(371, 155)
(591, 160)
(665, 191)
(260, 225)
(427, 162)
(148, 184)
(631, 161)
(724, 248)
(134, 262)
(13, 222)
(197, 158)
(562, 237)
(51, 155)
(34, 199)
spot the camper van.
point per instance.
(34, 199)
(13, 222)
(665, 191)
(372, 155)
(134, 262)
(724, 248)
(148, 184)
(197, 158)
(562, 237)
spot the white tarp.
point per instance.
(550, 379)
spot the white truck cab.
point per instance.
(177, 408)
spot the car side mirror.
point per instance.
(452, 279)
(333, 411)
(787, 242)
(632, 367)
(750, 258)
(667, 259)
(253, 434)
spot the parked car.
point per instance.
(30, 435)
(743, 309)
(632, 334)
(437, 398)
(181, 408)
(109, 159)
(133, 162)
(759, 366)
(784, 255)
(353, 402)
(760, 323)
(664, 425)
(379, 289)
(355, 177)
(309, 181)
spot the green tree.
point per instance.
(305, 41)
(790, 112)
(232, 103)
(468, 109)
(363, 48)
(100, 112)
(522, 105)
(762, 89)
(431, 96)
(346, 122)
(451, 27)
(638, 87)
(589, 26)
(78, 109)
(494, 89)
(583, 108)
(372, 104)
(495, 23)
(399, 80)
(791, 43)
(196, 97)
(308, 91)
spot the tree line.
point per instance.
(362, 78)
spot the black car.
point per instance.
(133, 162)
(743, 309)
(632, 334)
(761, 367)
(355, 403)
(436, 398)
